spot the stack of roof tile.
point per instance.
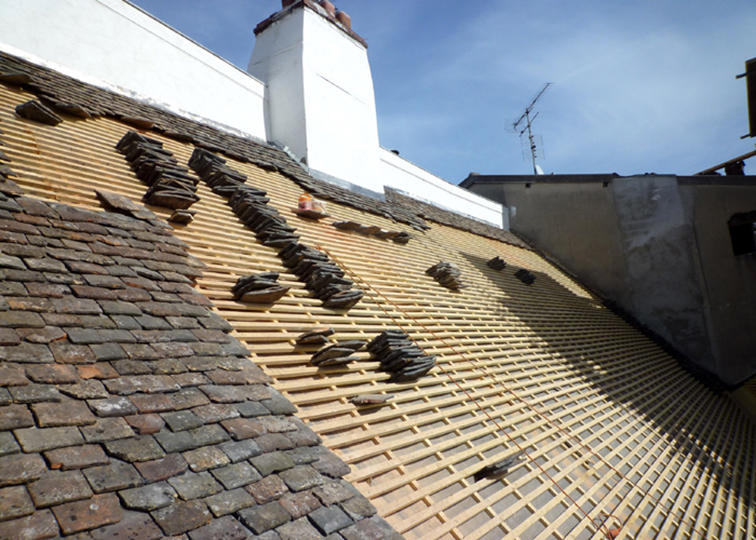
(527, 277)
(251, 206)
(170, 184)
(497, 263)
(126, 409)
(213, 170)
(400, 356)
(261, 288)
(318, 336)
(447, 274)
(321, 276)
(36, 111)
(337, 354)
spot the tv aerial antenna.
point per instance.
(525, 122)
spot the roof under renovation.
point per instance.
(185, 355)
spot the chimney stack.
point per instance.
(320, 98)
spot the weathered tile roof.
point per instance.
(128, 410)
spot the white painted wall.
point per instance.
(404, 176)
(321, 98)
(114, 44)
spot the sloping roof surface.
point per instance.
(607, 421)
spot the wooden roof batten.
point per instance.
(618, 426)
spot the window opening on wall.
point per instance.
(743, 233)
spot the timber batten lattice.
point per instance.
(557, 371)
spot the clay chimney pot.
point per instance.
(344, 19)
(329, 7)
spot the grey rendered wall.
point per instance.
(574, 223)
(663, 278)
(730, 281)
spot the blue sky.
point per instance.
(641, 86)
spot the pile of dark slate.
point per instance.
(337, 354)
(261, 288)
(320, 275)
(170, 184)
(527, 277)
(497, 263)
(251, 206)
(400, 356)
(214, 171)
(317, 336)
(447, 274)
(36, 111)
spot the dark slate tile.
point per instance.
(37, 526)
(236, 475)
(229, 502)
(181, 517)
(58, 487)
(226, 528)
(330, 519)
(163, 469)
(264, 518)
(115, 476)
(40, 440)
(272, 463)
(15, 502)
(148, 498)
(301, 529)
(192, 486)
(133, 526)
(135, 449)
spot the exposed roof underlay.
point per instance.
(608, 422)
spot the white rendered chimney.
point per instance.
(320, 98)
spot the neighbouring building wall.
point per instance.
(574, 223)
(730, 281)
(113, 44)
(658, 245)
(664, 283)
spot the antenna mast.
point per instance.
(528, 123)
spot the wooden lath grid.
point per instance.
(545, 362)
